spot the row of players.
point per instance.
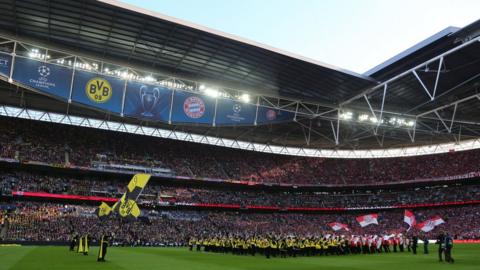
(324, 245)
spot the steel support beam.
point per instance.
(438, 57)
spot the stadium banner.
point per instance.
(45, 77)
(231, 112)
(147, 101)
(5, 64)
(270, 116)
(192, 108)
(100, 91)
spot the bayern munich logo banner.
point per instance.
(45, 77)
(230, 112)
(99, 91)
(147, 101)
(269, 116)
(192, 108)
(5, 64)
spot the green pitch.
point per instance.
(52, 258)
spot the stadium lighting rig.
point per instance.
(212, 92)
(216, 93)
(86, 66)
(401, 122)
(70, 63)
(346, 115)
(64, 62)
(369, 119)
(148, 79)
(36, 54)
(130, 74)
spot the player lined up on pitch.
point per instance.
(292, 246)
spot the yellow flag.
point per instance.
(127, 206)
(80, 245)
(136, 185)
(104, 210)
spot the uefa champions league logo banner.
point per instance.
(192, 108)
(45, 77)
(147, 101)
(230, 112)
(99, 91)
(5, 64)
(270, 116)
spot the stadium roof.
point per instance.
(396, 61)
(432, 85)
(111, 29)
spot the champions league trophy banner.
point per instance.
(149, 98)
(147, 101)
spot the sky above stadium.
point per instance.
(351, 34)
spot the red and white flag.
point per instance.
(430, 224)
(336, 226)
(367, 219)
(409, 218)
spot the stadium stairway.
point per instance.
(225, 175)
(4, 230)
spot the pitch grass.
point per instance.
(52, 258)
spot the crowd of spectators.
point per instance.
(376, 198)
(158, 191)
(35, 182)
(57, 222)
(60, 144)
(25, 140)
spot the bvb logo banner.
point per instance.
(98, 90)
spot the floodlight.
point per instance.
(363, 117)
(149, 79)
(245, 98)
(212, 92)
(346, 115)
